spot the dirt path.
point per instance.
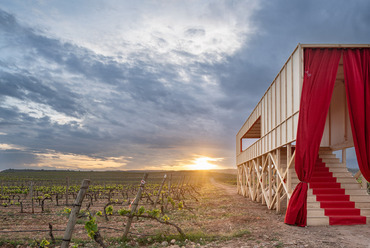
(270, 230)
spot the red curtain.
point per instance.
(356, 66)
(320, 67)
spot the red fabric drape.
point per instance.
(356, 66)
(320, 66)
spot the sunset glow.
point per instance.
(204, 163)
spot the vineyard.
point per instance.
(118, 209)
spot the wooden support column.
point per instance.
(344, 156)
(254, 183)
(270, 182)
(264, 177)
(289, 174)
(278, 162)
(237, 181)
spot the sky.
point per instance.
(126, 85)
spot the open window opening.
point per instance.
(251, 136)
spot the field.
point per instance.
(203, 204)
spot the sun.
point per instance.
(203, 163)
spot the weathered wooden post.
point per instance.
(32, 202)
(73, 215)
(159, 192)
(67, 188)
(168, 193)
(134, 205)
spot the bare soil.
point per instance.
(268, 229)
(220, 218)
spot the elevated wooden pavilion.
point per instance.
(265, 144)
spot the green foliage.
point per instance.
(44, 243)
(141, 210)
(109, 210)
(165, 218)
(170, 200)
(91, 227)
(154, 213)
(67, 210)
(123, 211)
(181, 205)
(99, 213)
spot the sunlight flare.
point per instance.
(204, 163)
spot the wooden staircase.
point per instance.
(334, 196)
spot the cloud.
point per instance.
(151, 83)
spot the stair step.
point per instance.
(318, 221)
(331, 165)
(325, 185)
(342, 211)
(314, 204)
(330, 197)
(347, 220)
(338, 169)
(350, 186)
(321, 169)
(337, 204)
(346, 180)
(360, 198)
(361, 205)
(327, 155)
(315, 212)
(328, 191)
(365, 212)
(341, 174)
(323, 179)
(322, 174)
(330, 160)
(356, 192)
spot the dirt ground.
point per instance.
(270, 230)
(220, 218)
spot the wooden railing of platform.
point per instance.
(268, 178)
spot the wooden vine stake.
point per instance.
(159, 192)
(32, 202)
(67, 188)
(134, 205)
(73, 215)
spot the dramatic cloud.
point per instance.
(149, 84)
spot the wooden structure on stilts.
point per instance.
(265, 148)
